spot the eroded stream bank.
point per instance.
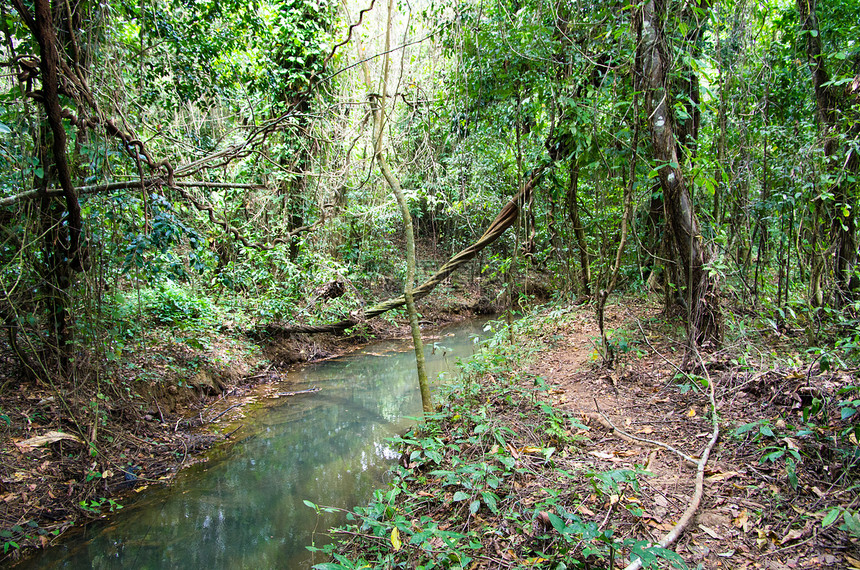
(244, 505)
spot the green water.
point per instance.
(244, 508)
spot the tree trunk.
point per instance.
(693, 254)
(377, 104)
(578, 231)
(827, 102)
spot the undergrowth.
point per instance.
(491, 480)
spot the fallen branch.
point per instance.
(687, 517)
(222, 413)
(296, 393)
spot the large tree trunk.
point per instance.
(652, 64)
(843, 214)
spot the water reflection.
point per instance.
(244, 507)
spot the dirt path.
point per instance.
(751, 516)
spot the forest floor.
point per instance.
(531, 465)
(754, 513)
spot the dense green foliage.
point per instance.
(172, 171)
(221, 157)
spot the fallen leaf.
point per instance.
(711, 532)
(530, 449)
(601, 454)
(395, 539)
(692, 412)
(852, 561)
(792, 535)
(742, 520)
(50, 437)
(15, 477)
(583, 510)
(723, 476)
(646, 430)
(660, 525)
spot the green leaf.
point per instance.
(460, 496)
(831, 517)
(745, 428)
(557, 523)
(852, 521)
(773, 455)
(4, 130)
(474, 506)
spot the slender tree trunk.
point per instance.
(653, 65)
(625, 224)
(378, 109)
(578, 230)
(721, 142)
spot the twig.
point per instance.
(626, 435)
(232, 432)
(790, 546)
(308, 391)
(184, 453)
(261, 374)
(224, 412)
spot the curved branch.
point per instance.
(210, 211)
(690, 512)
(43, 29)
(505, 219)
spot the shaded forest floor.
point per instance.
(541, 460)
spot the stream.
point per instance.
(244, 506)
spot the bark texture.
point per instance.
(830, 103)
(692, 253)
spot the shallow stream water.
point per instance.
(244, 506)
